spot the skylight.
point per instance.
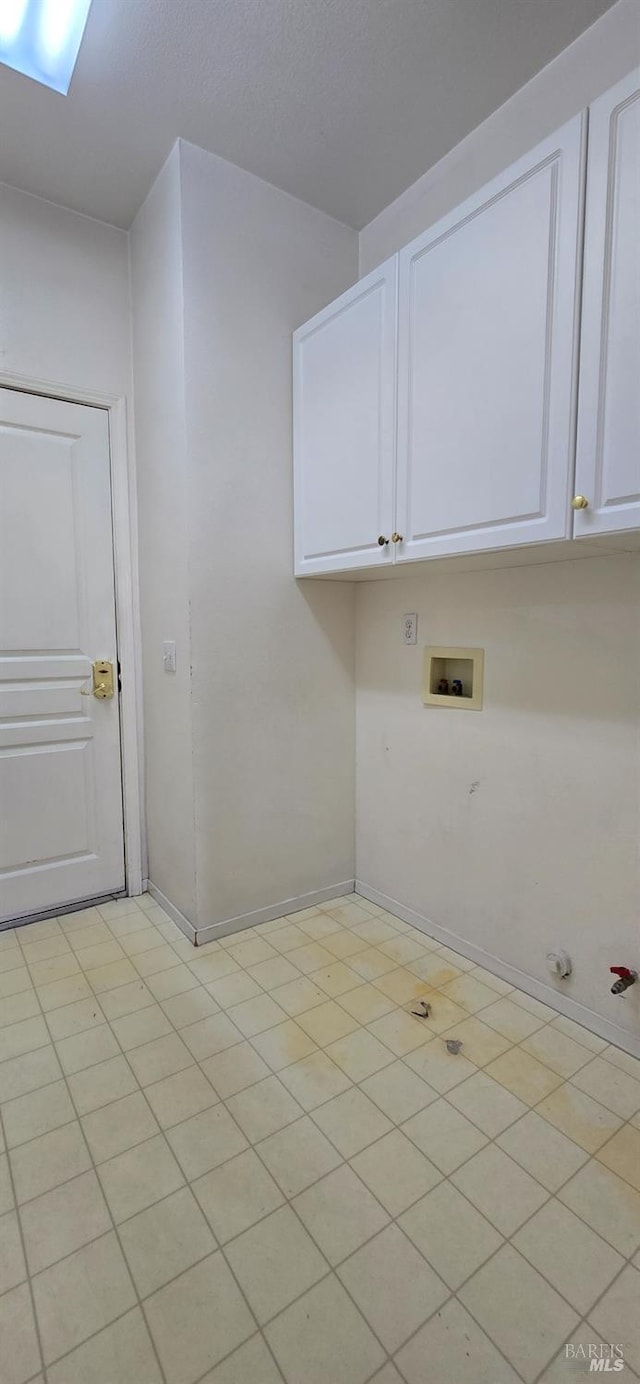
(41, 38)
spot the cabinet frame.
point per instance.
(564, 154)
(561, 427)
(382, 468)
(605, 513)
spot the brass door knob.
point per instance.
(382, 541)
(397, 538)
(102, 681)
(579, 502)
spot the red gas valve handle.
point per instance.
(626, 979)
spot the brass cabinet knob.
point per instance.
(579, 502)
(396, 538)
(382, 541)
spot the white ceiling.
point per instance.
(343, 103)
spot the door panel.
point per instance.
(344, 428)
(486, 362)
(60, 773)
(608, 452)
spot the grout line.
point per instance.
(293, 1018)
(206, 1377)
(65, 1180)
(392, 1221)
(287, 1203)
(549, 1195)
(309, 1114)
(114, 1230)
(560, 1081)
(507, 1240)
(331, 1268)
(121, 1316)
(27, 1280)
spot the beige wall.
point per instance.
(65, 328)
(163, 506)
(250, 745)
(516, 827)
(599, 58)
(273, 660)
(64, 297)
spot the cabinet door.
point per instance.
(608, 447)
(487, 342)
(344, 428)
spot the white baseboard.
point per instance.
(276, 910)
(170, 908)
(571, 1009)
(246, 920)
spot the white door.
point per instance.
(487, 343)
(344, 429)
(61, 837)
(608, 448)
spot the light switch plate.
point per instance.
(169, 655)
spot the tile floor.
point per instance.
(248, 1163)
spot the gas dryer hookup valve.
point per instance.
(625, 979)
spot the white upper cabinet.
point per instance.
(344, 429)
(487, 361)
(608, 443)
(442, 405)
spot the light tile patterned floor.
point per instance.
(248, 1163)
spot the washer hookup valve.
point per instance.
(625, 979)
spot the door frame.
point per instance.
(127, 603)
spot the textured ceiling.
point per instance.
(343, 103)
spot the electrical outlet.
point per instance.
(410, 629)
(169, 655)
